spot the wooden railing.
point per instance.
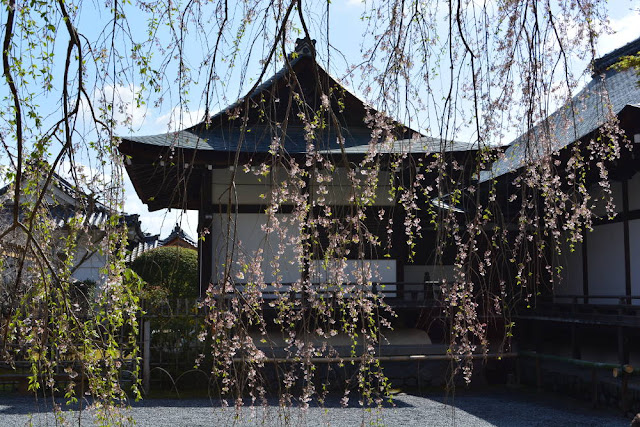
(395, 294)
(417, 292)
(623, 310)
(622, 299)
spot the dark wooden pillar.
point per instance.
(623, 348)
(205, 240)
(627, 245)
(575, 333)
(585, 267)
(537, 340)
(398, 243)
(307, 245)
(398, 248)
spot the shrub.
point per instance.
(171, 268)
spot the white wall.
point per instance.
(634, 192)
(90, 269)
(634, 246)
(348, 271)
(572, 280)
(605, 251)
(339, 189)
(249, 235)
(605, 247)
(330, 187)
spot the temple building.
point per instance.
(585, 316)
(298, 134)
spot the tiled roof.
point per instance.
(257, 139)
(62, 215)
(223, 135)
(178, 233)
(80, 207)
(606, 93)
(153, 241)
(424, 145)
(147, 243)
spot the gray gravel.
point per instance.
(489, 408)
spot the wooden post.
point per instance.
(575, 337)
(623, 348)
(624, 392)
(205, 240)
(400, 290)
(146, 356)
(627, 244)
(585, 267)
(538, 374)
(575, 342)
(307, 250)
(623, 359)
(594, 387)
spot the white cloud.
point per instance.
(131, 117)
(625, 29)
(178, 119)
(123, 102)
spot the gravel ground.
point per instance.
(489, 408)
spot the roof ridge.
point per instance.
(178, 232)
(600, 65)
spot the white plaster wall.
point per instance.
(605, 247)
(381, 271)
(90, 269)
(338, 189)
(634, 246)
(330, 187)
(247, 230)
(634, 192)
(375, 270)
(249, 188)
(572, 277)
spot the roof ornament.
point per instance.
(305, 47)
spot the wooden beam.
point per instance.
(146, 357)
(630, 215)
(623, 348)
(627, 246)
(205, 240)
(248, 209)
(585, 268)
(575, 335)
